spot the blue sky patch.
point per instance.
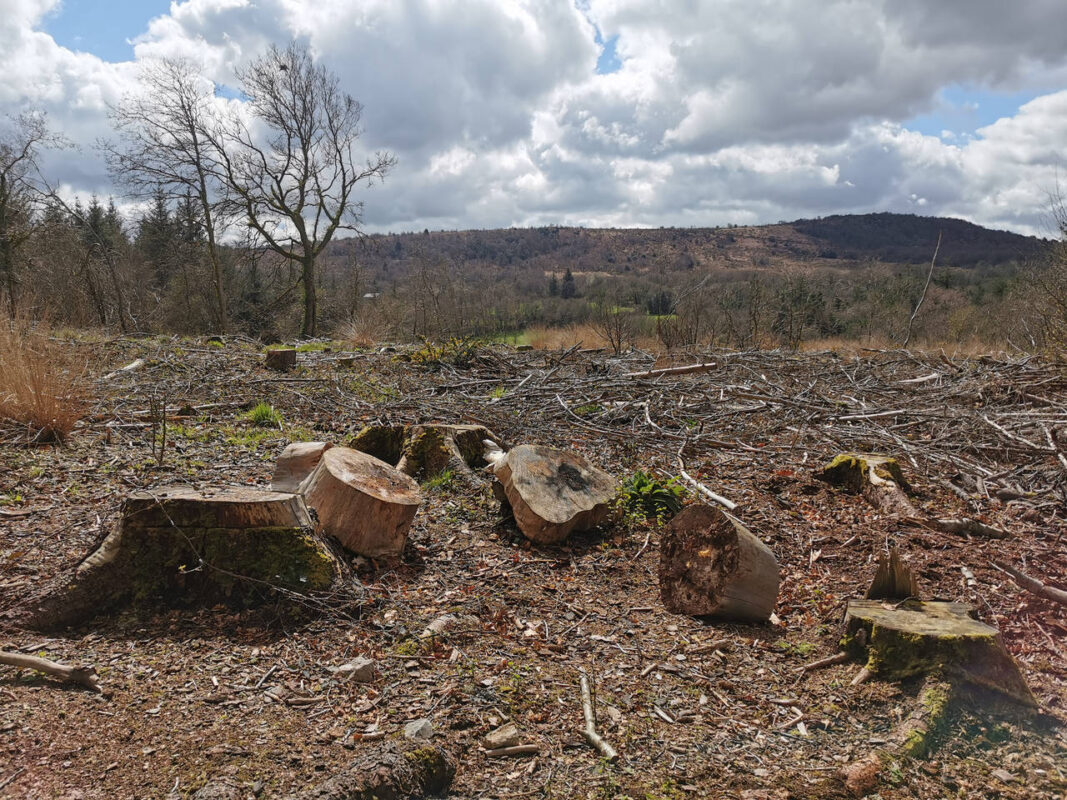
(103, 27)
(963, 110)
(608, 61)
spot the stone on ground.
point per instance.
(552, 492)
(295, 463)
(712, 565)
(364, 503)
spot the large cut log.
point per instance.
(712, 565)
(878, 478)
(552, 492)
(295, 463)
(363, 502)
(183, 546)
(904, 640)
(423, 451)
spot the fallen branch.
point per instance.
(85, 676)
(729, 505)
(1033, 585)
(829, 661)
(590, 733)
(514, 750)
(655, 373)
(970, 527)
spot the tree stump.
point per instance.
(878, 478)
(712, 565)
(363, 502)
(181, 546)
(903, 640)
(280, 360)
(295, 463)
(552, 492)
(423, 451)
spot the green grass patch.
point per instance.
(439, 481)
(264, 415)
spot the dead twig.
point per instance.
(590, 733)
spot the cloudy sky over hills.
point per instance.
(615, 112)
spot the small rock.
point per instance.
(861, 777)
(505, 736)
(1003, 775)
(419, 729)
(361, 670)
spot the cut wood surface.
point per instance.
(903, 640)
(363, 502)
(179, 545)
(295, 463)
(712, 565)
(552, 492)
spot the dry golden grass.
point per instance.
(41, 386)
(367, 330)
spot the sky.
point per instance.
(612, 113)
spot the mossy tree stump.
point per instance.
(878, 478)
(182, 546)
(363, 502)
(912, 638)
(425, 450)
(551, 492)
(280, 360)
(712, 565)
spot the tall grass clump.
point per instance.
(41, 386)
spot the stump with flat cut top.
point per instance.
(295, 463)
(280, 360)
(183, 546)
(910, 638)
(363, 502)
(712, 565)
(552, 492)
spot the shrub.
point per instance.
(264, 415)
(645, 495)
(454, 352)
(41, 385)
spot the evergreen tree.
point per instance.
(569, 288)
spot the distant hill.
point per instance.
(906, 238)
(837, 242)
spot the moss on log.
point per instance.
(178, 546)
(912, 638)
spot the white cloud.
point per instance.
(739, 110)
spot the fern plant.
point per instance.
(643, 494)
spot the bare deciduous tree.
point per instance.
(20, 145)
(291, 163)
(166, 144)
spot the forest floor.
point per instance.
(695, 708)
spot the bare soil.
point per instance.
(695, 708)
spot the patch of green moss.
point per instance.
(851, 470)
(214, 564)
(426, 452)
(381, 441)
